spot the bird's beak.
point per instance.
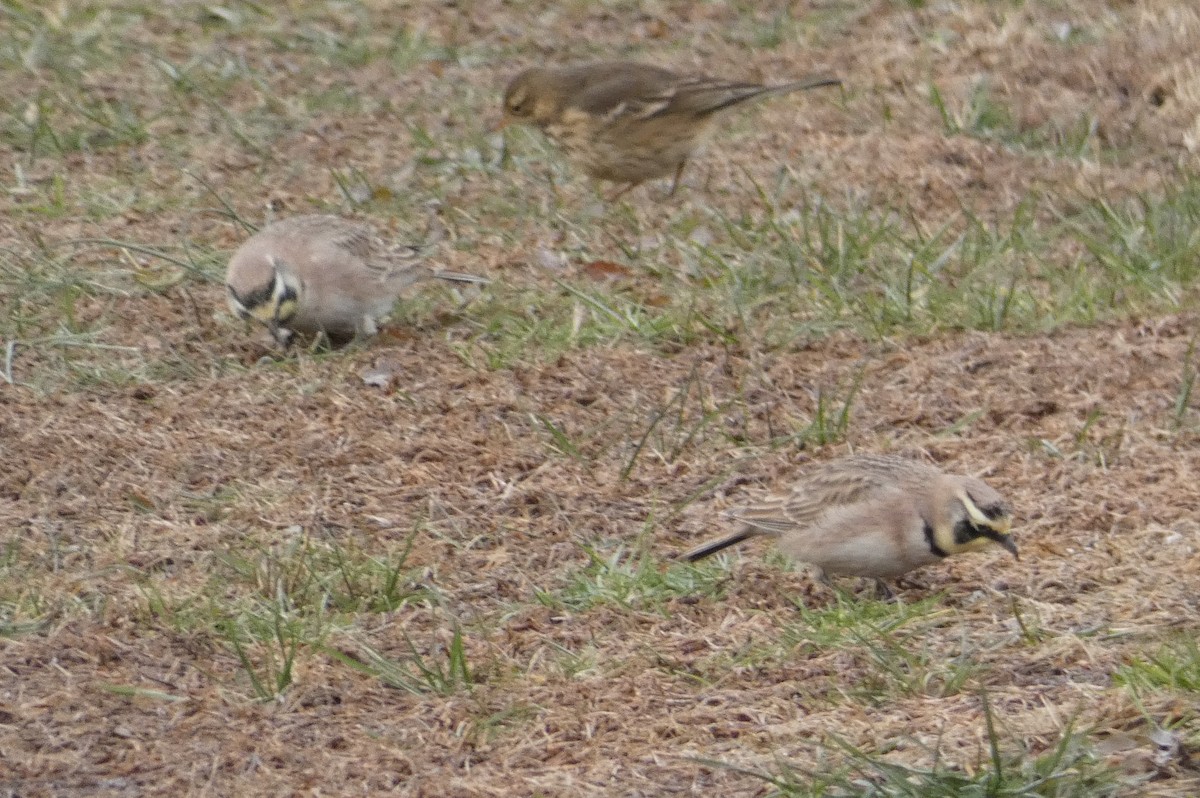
(1000, 535)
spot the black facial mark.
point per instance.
(259, 296)
(937, 550)
(289, 295)
(965, 531)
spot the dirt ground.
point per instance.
(139, 515)
(1107, 532)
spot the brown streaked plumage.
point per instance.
(875, 516)
(322, 274)
(627, 122)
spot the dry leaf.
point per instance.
(383, 374)
(376, 378)
(606, 270)
(396, 335)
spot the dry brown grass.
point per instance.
(166, 489)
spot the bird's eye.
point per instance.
(517, 102)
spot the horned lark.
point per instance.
(322, 274)
(627, 122)
(875, 516)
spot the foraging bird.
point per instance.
(627, 122)
(875, 516)
(322, 274)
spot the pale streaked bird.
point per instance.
(875, 516)
(627, 122)
(322, 274)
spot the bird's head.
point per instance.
(269, 294)
(534, 97)
(969, 515)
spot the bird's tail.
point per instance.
(733, 93)
(713, 546)
(810, 82)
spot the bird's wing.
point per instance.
(623, 90)
(383, 258)
(356, 239)
(844, 482)
(701, 96)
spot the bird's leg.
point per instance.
(883, 592)
(622, 191)
(321, 342)
(822, 587)
(822, 577)
(908, 583)
(678, 174)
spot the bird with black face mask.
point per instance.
(321, 274)
(875, 516)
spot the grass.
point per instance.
(304, 602)
(1175, 667)
(779, 282)
(444, 673)
(1068, 768)
(629, 580)
(464, 579)
(880, 647)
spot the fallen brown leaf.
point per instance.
(606, 270)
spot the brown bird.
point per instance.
(627, 122)
(875, 516)
(322, 274)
